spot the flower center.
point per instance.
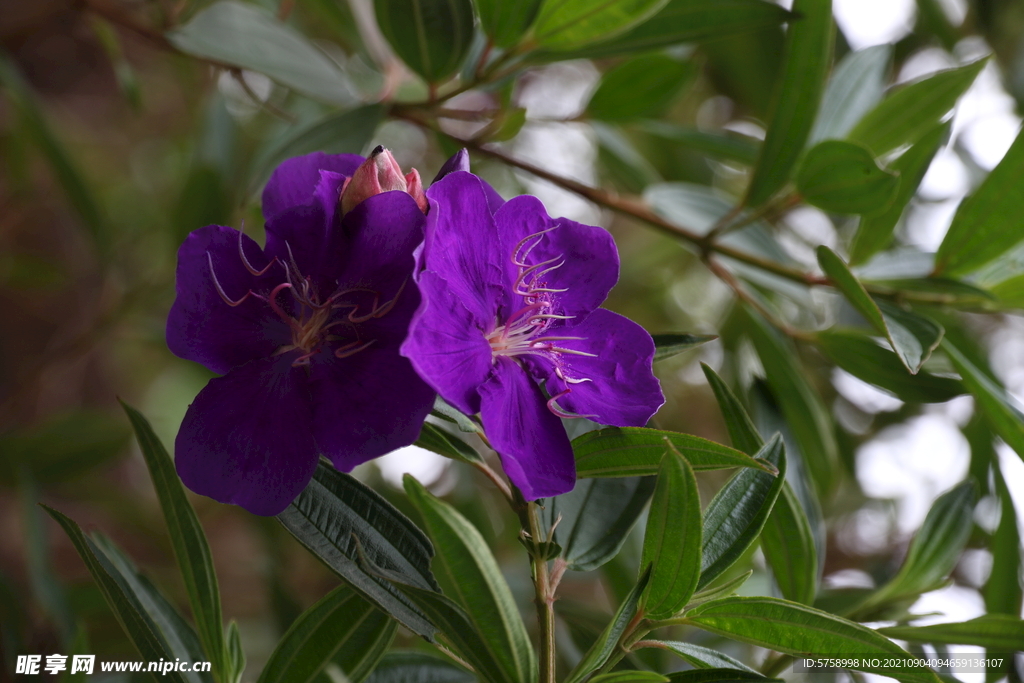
(313, 323)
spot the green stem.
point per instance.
(545, 600)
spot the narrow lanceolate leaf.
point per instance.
(700, 657)
(606, 643)
(935, 549)
(337, 515)
(875, 231)
(236, 654)
(685, 21)
(452, 621)
(630, 677)
(341, 628)
(788, 546)
(505, 21)
(400, 666)
(843, 177)
(242, 35)
(668, 345)
(717, 676)
(995, 632)
(136, 622)
(1005, 420)
(912, 110)
(741, 428)
(1003, 590)
(738, 512)
(480, 589)
(637, 451)
(856, 86)
(808, 50)
(435, 439)
(567, 24)
(344, 133)
(642, 86)
(859, 355)
(801, 631)
(672, 540)
(721, 590)
(802, 407)
(431, 36)
(187, 538)
(986, 225)
(911, 336)
(595, 518)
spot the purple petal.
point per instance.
(247, 438)
(531, 441)
(366, 405)
(622, 390)
(462, 244)
(383, 231)
(293, 182)
(589, 261)
(458, 162)
(310, 243)
(202, 326)
(447, 345)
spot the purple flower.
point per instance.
(510, 300)
(306, 333)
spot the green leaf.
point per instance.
(668, 345)
(344, 133)
(720, 590)
(341, 628)
(856, 86)
(911, 336)
(621, 160)
(126, 595)
(33, 122)
(717, 676)
(606, 643)
(993, 401)
(596, 516)
(798, 90)
(738, 512)
(505, 21)
(417, 667)
(672, 539)
(451, 620)
(188, 540)
(685, 21)
(637, 451)
(801, 631)
(642, 86)
(236, 654)
(1002, 591)
(725, 145)
(701, 657)
(480, 589)
(437, 440)
(996, 632)
(241, 35)
(741, 428)
(985, 225)
(455, 416)
(843, 177)
(875, 232)
(935, 550)
(336, 514)
(630, 677)
(431, 36)
(914, 109)
(567, 24)
(788, 546)
(802, 407)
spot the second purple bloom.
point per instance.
(510, 304)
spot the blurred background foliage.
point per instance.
(115, 143)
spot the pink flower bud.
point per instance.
(380, 173)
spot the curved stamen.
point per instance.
(351, 349)
(245, 261)
(220, 290)
(272, 300)
(560, 412)
(518, 259)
